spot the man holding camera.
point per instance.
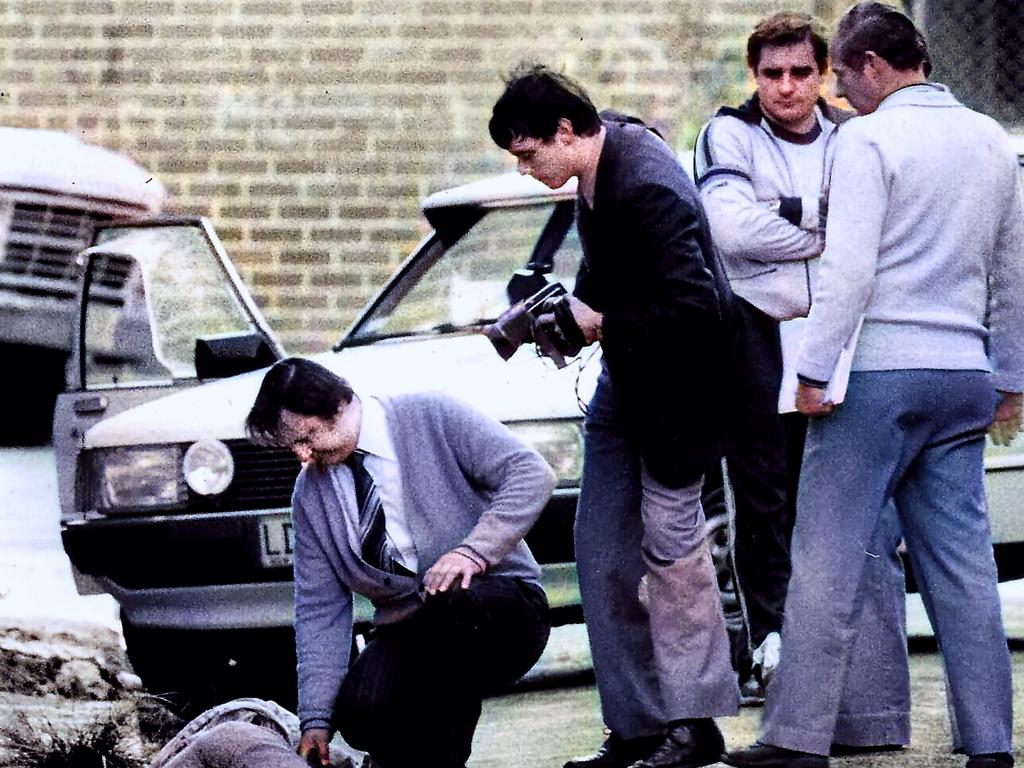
(649, 290)
(419, 503)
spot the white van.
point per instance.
(54, 191)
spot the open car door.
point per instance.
(160, 308)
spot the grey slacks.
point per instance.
(666, 657)
(913, 438)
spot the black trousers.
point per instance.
(758, 471)
(763, 453)
(413, 696)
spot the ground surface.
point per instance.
(63, 672)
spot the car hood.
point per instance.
(466, 366)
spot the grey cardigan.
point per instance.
(467, 482)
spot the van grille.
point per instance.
(42, 242)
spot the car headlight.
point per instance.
(559, 442)
(208, 467)
(137, 479)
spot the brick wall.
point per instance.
(309, 130)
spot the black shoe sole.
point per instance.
(796, 762)
(701, 761)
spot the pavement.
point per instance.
(542, 729)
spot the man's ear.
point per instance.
(564, 133)
(874, 64)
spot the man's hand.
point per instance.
(315, 742)
(1007, 421)
(810, 401)
(449, 568)
(587, 319)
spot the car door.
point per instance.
(153, 299)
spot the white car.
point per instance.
(167, 507)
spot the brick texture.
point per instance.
(309, 130)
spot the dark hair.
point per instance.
(297, 385)
(786, 28)
(535, 99)
(886, 31)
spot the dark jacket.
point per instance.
(649, 266)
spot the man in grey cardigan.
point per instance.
(925, 242)
(419, 503)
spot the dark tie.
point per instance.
(377, 550)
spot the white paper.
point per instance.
(792, 333)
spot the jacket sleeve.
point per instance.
(666, 230)
(518, 479)
(744, 227)
(859, 201)
(1006, 289)
(582, 289)
(323, 615)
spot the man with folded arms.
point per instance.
(763, 172)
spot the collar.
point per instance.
(792, 137)
(374, 437)
(920, 95)
(608, 164)
(750, 112)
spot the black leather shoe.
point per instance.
(767, 756)
(616, 752)
(687, 746)
(991, 760)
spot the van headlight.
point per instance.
(137, 479)
(208, 467)
(559, 442)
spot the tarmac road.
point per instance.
(537, 727)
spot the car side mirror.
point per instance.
(229, 354)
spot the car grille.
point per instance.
(264, 479)
(42, 242)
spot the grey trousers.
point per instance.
(914, 439)
(874, 708)
(667, 657)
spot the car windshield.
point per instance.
(170, 290)
(463, 284)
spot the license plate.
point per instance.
(277, 541)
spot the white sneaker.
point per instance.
(766, 657)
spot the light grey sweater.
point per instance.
(467, 482)
(925, 239)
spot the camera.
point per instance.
(543, 318)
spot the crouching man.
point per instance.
(420, 504)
